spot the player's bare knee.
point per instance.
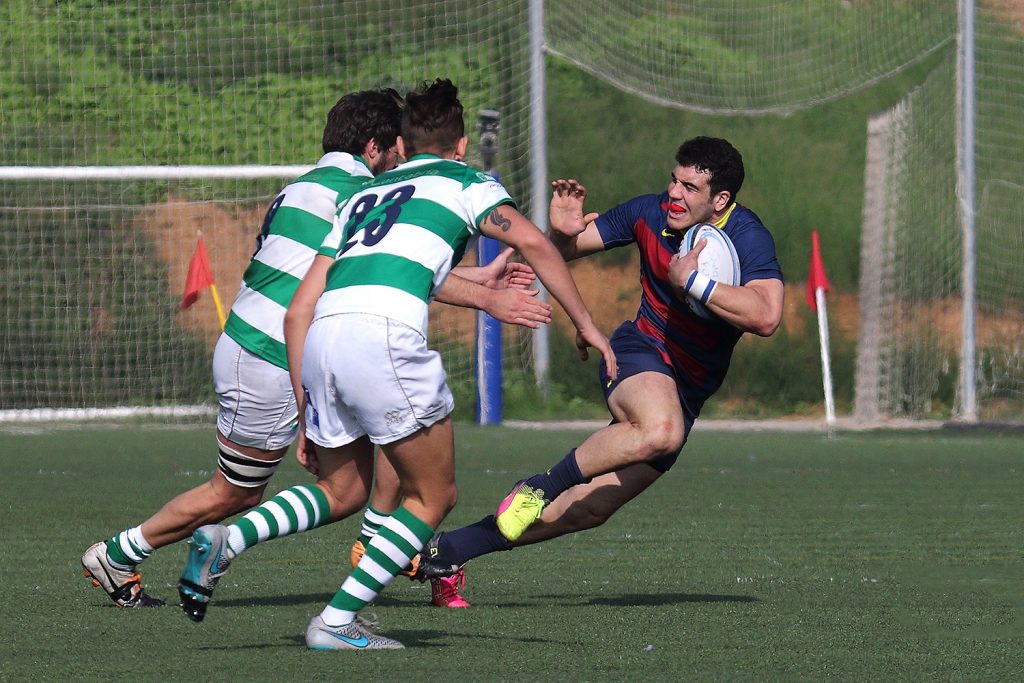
(441, 499)
(228, 499)
(239, 483)
(662, 437)
(347, 503)
(245, 498)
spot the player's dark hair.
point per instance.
(361, 116)
(432, 119)
(718, 158)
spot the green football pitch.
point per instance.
(762, 556)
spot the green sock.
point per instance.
(291, 511)
(398, 540)
(129, 548)
(372, 519)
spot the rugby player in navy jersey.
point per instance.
(670, 360)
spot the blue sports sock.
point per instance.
(562, 476)
(462, 545)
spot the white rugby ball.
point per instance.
(717, 260)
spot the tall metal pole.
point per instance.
(489, 401)
(967, 183)
(539, 172)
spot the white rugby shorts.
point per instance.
(257, 404)
(368, 374)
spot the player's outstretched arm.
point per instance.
(499, 273)
(511, 305)
(573, 232)
(506, 224)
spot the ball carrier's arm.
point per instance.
(573, 232)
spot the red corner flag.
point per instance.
(199, 278)
(815, 273)
(199, 275)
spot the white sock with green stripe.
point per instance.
(398, 540)
(291, 511)
(372, 519)
(128, 548)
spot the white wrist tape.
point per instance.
(700, 287)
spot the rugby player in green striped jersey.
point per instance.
(356, 335)
(257, 418)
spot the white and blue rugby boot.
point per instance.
(209, 557)
(354, 636)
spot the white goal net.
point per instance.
(95, 265)
(911, 254)
(747, 56)
(910, 361)
(144, 91)
(757, 57)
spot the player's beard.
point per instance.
(380, 166)
(386, 162)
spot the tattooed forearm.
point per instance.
(499, 220)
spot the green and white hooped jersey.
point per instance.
(395, 241)
(295, 226)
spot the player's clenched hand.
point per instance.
(305, 453)
(520, 307)
(591, 336)
(680, 267)
(565, 212)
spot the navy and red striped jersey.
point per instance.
(697, 349)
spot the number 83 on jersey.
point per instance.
(371, 220)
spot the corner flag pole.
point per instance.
(817, 285)
(213, 291)
(199, 277)
(220, 308)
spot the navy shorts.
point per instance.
(636, 352)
